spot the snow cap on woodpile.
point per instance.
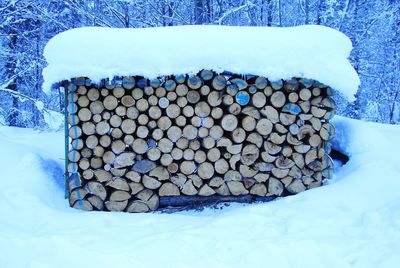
(308, 51)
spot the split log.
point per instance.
(179, 179)
(237, 188)
(280, 128)
(287, 119)
(249, 154)
(234, 148)
(150, 182)
(240, 83)
(275, 187)
(96, 202)
(256, 139)
(233, 160)
(143, 166)
(96, 189)
(276, 138)
(188, 188)
(272, 148)
(247, 171)
(83, 205)
(119, 196)
(258, 189)
(116, 205)
(318, 112)
(327, 131)
(296, 187)
(206, 190)
(252, 112)
(271, 113)
(261, 177)
(160, 173)
(216, 182)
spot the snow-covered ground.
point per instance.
(352, 222)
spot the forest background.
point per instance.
(25, 27)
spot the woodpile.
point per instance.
(137, 143)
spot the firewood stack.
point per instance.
(134, 141)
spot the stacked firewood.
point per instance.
(134, 140)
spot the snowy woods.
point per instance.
(26, 26)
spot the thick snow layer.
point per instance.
(354, 221)
(311, 51)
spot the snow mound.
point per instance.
(309, 51)
(354, 221)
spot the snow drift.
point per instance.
(314, 52)
(354, 221)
